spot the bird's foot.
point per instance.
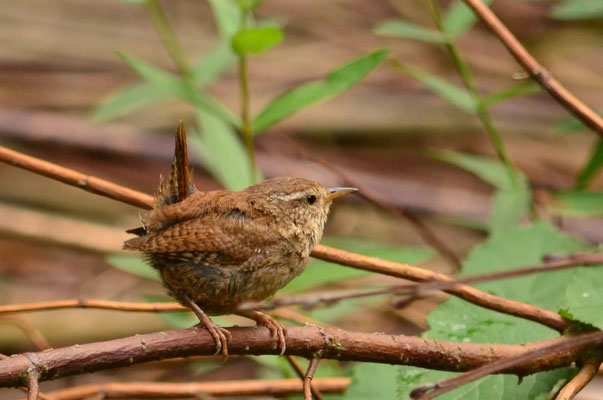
(278, 331)
(221, 336)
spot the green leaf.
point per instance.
(578, 203)
(373, 381)
(459, 18)
(510, 200)
(222, 153)
(408, 30)
(257, 40)
(214, 64)
(134, 265)
(508, 207)
(336, 82)
(458, 320)
(583, 300)
(578, 9)
(450, 92)
(591, 168)
(178, 88)
(228, 16)
(129, 99)
(249, 5)
(487, 169)
(569, 125)
(320, 273)
(522, 89)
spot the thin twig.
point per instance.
(308, 386)
(33, 385)
(300, 373)
(312, 300)
(536, 71)
(582, 378)
(278, 388)
(372, 264)
(33, 334)
(430, 391)
(308, 341)
(92, 303)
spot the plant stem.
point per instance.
(168, 37)
(482, 108)
(246, 129)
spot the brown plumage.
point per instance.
(215, 250)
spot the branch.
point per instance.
(308, 385)
(300, 373)
(472, 295)
(92, 303)
(582, 378)
(428, 392)
(537, 71)
(146, 390)
(405, 271)
(309, 342)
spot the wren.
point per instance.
(215, 250)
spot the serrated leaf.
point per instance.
(522, 89)
(458, 320)
(320, 272)
(336, 82)
(129, 99)
(134, 265)
(454, 94)
(578, 203)
(178, 88)
(459, 18)
(373, 381)
(257, 40)
(591, 168)
(408, 30)
(583, 300)
(578, 9)
(222, 152)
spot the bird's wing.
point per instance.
(228, 241)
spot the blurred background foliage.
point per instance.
(416, 102)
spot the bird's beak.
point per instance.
(338, 192)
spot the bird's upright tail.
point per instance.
(180, 183)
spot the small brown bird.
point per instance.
(215, 250)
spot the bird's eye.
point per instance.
(311, 199)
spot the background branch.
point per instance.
(537, 71)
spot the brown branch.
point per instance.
(472, 295)
(33, 334)
(92, 303)
(582, 378)
(300, 373)
(537, 71)
(147, 390)
(309, 342)
(77, 179)
(308, 386)
(372, 264)
(33, 385)
(430, 391)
